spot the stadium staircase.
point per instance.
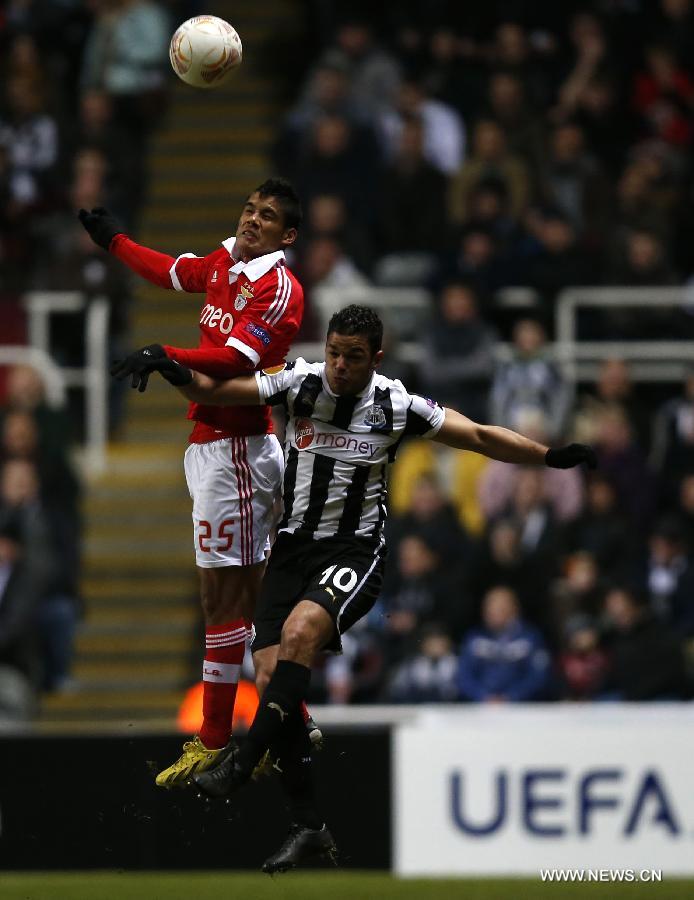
(138, 647)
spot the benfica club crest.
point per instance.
(244, 295)
(375, 417)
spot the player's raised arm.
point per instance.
(159, 268)
(508, 446)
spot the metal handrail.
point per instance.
(91, 377)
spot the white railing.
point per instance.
(92, 377)
(657, 360)
(406, 310)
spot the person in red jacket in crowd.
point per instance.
(252, 310)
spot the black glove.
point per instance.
(101, 225)
(140, 365)
(174, 372)
(573, 455)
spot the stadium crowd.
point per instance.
(538, 145)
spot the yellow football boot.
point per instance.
(195, 758)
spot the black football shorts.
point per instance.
(343, 575)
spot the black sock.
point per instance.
(291, 753)
(287, 688)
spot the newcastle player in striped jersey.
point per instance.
(345, 424)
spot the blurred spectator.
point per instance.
(530, 383)
(583, 663)
(489, 213)
(326, 217)
(675, 28)
(579, 590)
(574, 183)
(451, 78)
(502, 559)
(613, 389)
(126, 55)
(25, 391)
(457, 473)
(418, 589)
(443, 133)
(104, 143)
(589, 45)
(19, 599)
(332, 164)
(672, 453)
(30, 135)
(601, 529)
(413, 196)
(513, 52)
(462, 346)
(504, 660)
(563, 488)
(430, 516)
(560, 262)
(622, 461)
(477, 259)
(643, 262)
(19, 439)
(664, 96)
(429, 674)
(489, 159)
(373, 74)
(327, 95)
(607, 123)
(648, 191)
(647, 660)
(356, 675)
(49, 547)
(325, 264)
(509, 108)
(685, 508)
(670, 575)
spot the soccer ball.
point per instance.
(204, 51)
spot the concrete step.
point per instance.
(122, 702)
(119, 507)
(142, 616)
(146, 583)
(222, 133)
(225, 189)
(161, 673)
(134, 644)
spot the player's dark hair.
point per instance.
(288, 199)
(358, 320)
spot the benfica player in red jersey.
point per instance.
(252, 311)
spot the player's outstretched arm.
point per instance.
(508, 446)
(231, 392)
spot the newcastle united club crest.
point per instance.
(375, 417)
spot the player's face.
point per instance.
(349, 362)
(261, 228)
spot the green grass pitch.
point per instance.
(310, 885)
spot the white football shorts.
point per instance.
(234, 484)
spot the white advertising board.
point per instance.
(514, 791)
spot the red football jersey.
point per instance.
(255, 308)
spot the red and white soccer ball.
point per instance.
(204, 51)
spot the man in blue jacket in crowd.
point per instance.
(506, 660)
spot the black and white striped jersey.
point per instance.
(338, 449)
